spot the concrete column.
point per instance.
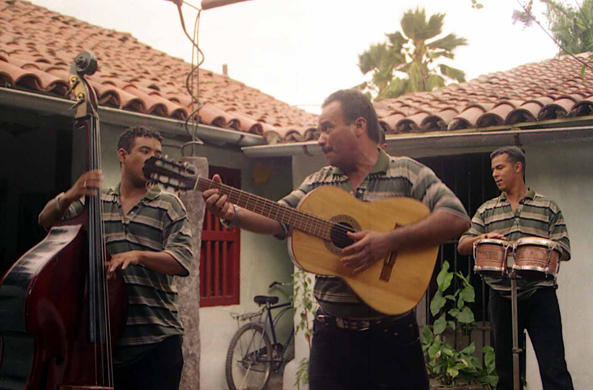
(189, 287)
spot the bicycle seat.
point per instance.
(263, 299)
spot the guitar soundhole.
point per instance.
(339, 235)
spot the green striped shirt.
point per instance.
(157, 223)
(535, 216)
(390, 177)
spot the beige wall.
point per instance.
(564, 172)
(264, 259)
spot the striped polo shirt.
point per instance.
(536, 216)
(390, 177)
(157, 223)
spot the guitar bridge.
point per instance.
(388, 264)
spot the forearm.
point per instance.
(87, 184)
(162, 262)
(245, 219)
(466, 245)
(437, 228)
(54, 210)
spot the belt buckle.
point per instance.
(356, 325)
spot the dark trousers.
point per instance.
(383, 357)
(159, 369)
(539, 314)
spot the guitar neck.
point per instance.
(299, 220)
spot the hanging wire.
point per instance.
(192, 82)
(528, 12)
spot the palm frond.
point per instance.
(434, 81)
(413, 23)
(452, 73)
(433, 55)
(450, 42)
(396, 88)
(435, 26)
(397, 40)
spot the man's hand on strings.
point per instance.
(369, 247)
(218, 204)
(122, 260)
(87, 184)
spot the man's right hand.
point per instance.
(466, 244)
(493, 235)
(87, 184)
(218, 204)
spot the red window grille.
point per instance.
(220, 253)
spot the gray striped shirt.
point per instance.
(390, 177)
(536, 216)
(157, 223)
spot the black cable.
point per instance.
(195, 113)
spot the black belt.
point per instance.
(357, 324)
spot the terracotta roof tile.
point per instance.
(37, 46)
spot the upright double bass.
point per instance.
(58, 312)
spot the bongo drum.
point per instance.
(536, 258)
(491, 257)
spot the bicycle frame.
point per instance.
(268, 322)
(272, 326)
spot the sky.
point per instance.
(300, 51)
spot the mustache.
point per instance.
(328, 149)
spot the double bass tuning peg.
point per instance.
(77, 103)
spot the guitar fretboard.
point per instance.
(299, 220)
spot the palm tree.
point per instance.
(414, 54)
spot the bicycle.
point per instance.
(252, 355)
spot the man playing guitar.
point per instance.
(355, 346)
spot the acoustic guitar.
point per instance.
(320, 223)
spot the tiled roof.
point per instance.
(551, 89)
(37, 46)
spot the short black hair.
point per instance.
(127, 138)
(514, 154)
(356, 104)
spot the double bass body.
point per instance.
(57, 315)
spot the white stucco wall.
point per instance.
(264, 259)
(564, 172)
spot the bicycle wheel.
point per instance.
(249, 359)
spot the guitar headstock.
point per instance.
(180, 176)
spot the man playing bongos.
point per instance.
(520, 213)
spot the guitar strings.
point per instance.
(311, 221)
(302, 220)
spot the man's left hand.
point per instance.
(368, 247)
(122, 260)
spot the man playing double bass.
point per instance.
(149, 238)
(517, 213)
(354, 346)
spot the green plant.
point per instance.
(305, 306)
(449, 365)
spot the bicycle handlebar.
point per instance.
(276, 283)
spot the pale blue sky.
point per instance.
(300, 51)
